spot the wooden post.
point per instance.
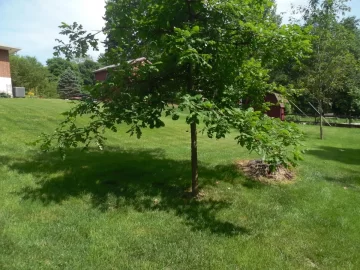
(194, 161)
(321, 119)
(321, 128)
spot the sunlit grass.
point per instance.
(124, 208)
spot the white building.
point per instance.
(5, 75)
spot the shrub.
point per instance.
(30, 94)
(276, 141)
(49, 90)
(4, 95)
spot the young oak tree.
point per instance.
(204, 54)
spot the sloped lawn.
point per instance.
(123, 208)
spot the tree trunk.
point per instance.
(194, 161)
(194, 156)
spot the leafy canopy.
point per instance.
(86, 69)
(28, 72)
(58, 65)
(203, 55)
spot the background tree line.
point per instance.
(328, 77)
(58, 78)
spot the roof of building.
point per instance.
(281, 98)
(134, 61)
(8, 48)
(104, 68)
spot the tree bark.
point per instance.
(194, 154)
(194, 161)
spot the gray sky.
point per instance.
(32, 25)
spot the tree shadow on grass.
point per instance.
(350, 181)
(118, 179)
(346, 177)
(343, 155)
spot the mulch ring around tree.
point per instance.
(260, 171)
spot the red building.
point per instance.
(102, 73)
(277, 110)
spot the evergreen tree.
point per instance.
(69, 84)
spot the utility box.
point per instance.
(19, 92)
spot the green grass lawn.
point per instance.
(123, 208)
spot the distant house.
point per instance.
(5, 75)
(277, 109)
(102, 73)
(276, 104)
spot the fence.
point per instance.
(333, 120)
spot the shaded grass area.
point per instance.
(124, 208)
(348, 156)
(143, 180)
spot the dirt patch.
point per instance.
(259, 171)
